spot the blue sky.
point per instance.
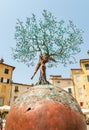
(11, 10)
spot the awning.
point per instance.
(4, 108)
(85, 111)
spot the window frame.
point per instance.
(80, 92)
(16, 89)
(6, 71)
(4, 80)
(78, 79)
(87, 66)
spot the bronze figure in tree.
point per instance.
(53, 40)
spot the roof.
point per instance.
(22, 84)
(7, 65)
(76, 69)
(84, 60)
(57, 77)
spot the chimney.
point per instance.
(1, 60)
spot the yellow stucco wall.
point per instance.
(81, 83)
(16, 90)
(64, 83)
(5, 83)
(7, 88)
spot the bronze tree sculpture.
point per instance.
(56, 42)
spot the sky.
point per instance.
(11, 10)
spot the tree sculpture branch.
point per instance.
(55, 41)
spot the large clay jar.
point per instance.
(45, 107)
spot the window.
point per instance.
(1, 101)
(16, 89)
(88, 78)
(70, 90)
(81, 104)
(4, 80)
(6, 71)
(58, 81)
(77, 72)
(84, 87)
(69, 82)
(87, 66)
(78, 78)
(80, 92)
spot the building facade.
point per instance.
(64, 83)
(6, 72)
(80, 79)
(77, 85)
(9, 90)
(16, 90)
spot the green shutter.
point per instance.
(88, 78)
(69, 90)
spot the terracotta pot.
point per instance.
(45, 107)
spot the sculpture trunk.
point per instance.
(43, 59)
(42, 78)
